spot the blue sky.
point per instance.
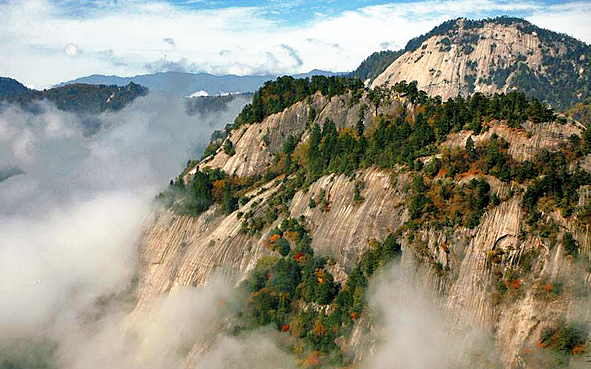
(51, 41)
(290, 12)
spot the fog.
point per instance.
(69, 225)
(413, 330)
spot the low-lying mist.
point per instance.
(71, 215)
(413, 330)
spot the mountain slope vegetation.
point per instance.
(459, 170)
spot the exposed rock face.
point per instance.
(179, 250)
(343, 231)
(468, 60)
(183, 251)
(523, 144)
(256, 144)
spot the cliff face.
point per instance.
(256, 144)
(496, 57)
(462, 266)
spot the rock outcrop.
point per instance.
(496, 57)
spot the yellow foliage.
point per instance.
(319, 328)
(218, 190)
(300, 156)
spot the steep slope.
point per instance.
(515, 270)
(495, 55)
(372, 66)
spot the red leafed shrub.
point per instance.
(299, 256)
(515, 284)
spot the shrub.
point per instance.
(229, 147)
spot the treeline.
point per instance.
(296, 293)
(408, 136)
(375, 64)
(205, 105)
(549, 175)
(285, 91)
(404, 140)
(557, 181)
(582, 112)
(11, 87)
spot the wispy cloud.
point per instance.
(235, 40)
(294, 54)
(69, 228)
(169, 41)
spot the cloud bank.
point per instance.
(131, 37)
(69, 228)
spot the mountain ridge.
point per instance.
(78, 98)
(473, 191)
(184, 83)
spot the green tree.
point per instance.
(229, 147)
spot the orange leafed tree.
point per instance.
(299, 256)
(218, 190)
(313, 360)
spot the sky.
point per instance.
(45, 42)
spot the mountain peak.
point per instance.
(463, 56)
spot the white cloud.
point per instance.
(69, 228)
(126, 38)
(572, 19)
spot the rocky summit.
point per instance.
(463, 56)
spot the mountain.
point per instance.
(482, 201)
(77, 98)
(185, 84)
(383, 227)
(503, 54)
(10, 87)
(204, 105)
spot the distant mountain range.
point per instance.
(10, 87)
(186, 84)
